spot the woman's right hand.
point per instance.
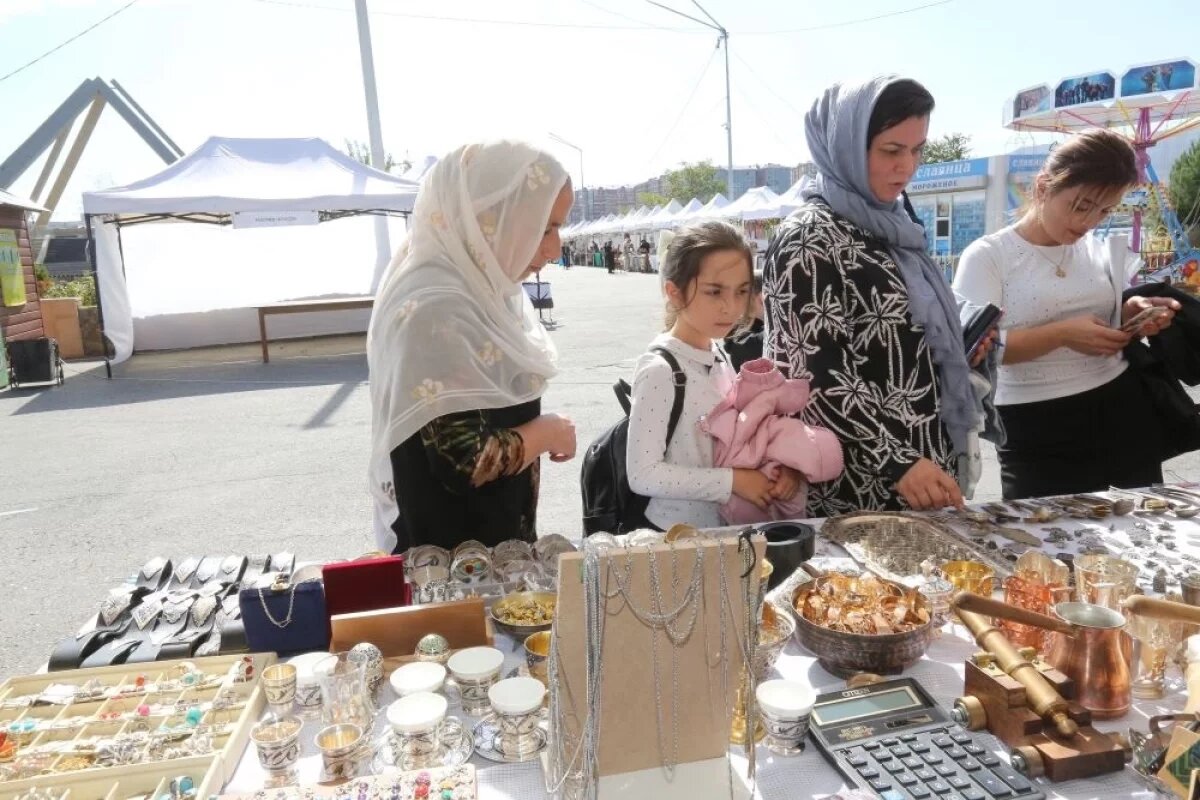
(925, 487)
(1091, 336)
(752, 485)
(560, 437)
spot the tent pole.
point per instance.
(383, 245)
(91, 246)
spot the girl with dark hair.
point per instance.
(855, 305)
(1077, 418)
(707, 280)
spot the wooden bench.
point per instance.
(305, 307)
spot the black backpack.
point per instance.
(608, 502)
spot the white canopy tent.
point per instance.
(791, 200)
(757, 203)
(709, 210)
(245, 189)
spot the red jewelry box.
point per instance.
(366, 585)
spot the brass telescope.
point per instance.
(1042, 697)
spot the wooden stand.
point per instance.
(1037, 748)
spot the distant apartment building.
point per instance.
(776, 177)
(804, 169)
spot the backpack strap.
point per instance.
(680, 381)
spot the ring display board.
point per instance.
(691, 678)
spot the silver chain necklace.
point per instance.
(291, 606)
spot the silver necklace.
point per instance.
(291, 606)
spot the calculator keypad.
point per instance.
(938, 764)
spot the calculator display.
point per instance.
(867, 705)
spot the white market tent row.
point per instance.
(757, 203)
(240, 184)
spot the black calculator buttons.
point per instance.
(868, 772)
(1013, 779)
(960, 736)
(973, 794)
(918, 791)
(872, 746)
(940, 787)
(942, 741)
(933, 757)
(945, 770)
(970, 764)
(926, 775)
(908, 737)
(894, 765)
(912, 762)
(988, 759)
(957, 782)
(881, 784)
(857, 761)
(906, 779)
(956, 753)
(973, 748)
(920, 747)
(993, 785)
(901, 752)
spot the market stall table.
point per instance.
(305, 307)
(940, 672)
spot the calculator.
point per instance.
(892, 739)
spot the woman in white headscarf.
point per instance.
(458, 359)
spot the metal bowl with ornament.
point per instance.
(852, 643)
(522, 613)
(775, 629)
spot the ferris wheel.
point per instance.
(1148, 104)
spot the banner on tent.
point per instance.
(274, 219)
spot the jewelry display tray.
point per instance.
(208, 772)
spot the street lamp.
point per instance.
(586, 199)
(722, 40)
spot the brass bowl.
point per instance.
(516, 599)
(843, 654)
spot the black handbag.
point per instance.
(1177, 416)
(285, 618)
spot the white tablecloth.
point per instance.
(940, 671)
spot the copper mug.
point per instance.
(1086, 642)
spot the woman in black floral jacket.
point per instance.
(842, 310)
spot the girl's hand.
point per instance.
(560, 443)
(787, 484)
(925, 487)
(752, 485)
(1135, 305)
(1092, 337)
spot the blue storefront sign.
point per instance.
(1032, 163)
(950, 176)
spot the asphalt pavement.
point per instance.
(213, 452)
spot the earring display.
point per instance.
(173, 729)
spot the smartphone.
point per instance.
(1142, 317)
(983, 321)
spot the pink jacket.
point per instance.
(753, 428)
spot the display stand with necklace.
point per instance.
(640, 635)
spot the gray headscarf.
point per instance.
(836, 128)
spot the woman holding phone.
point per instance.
(1077, 419)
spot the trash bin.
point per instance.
(35, 361)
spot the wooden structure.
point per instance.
(304, 307)
(21, 322)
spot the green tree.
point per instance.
(699, 179)
(951, 147)
(1184, 189)
(653, 199)
(361, 151)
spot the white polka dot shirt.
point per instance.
(682, 483)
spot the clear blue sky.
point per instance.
(593, 71)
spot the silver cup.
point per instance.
(343, 751)
(517, 705)
(278, 745)
(279, 685)
(785, 707)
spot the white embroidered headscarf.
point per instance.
(452, 330)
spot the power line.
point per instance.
(711, 57)
(768, 87)
(845, 23)
(643, 23)
(68, 41)
(483, 21)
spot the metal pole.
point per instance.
(383, 245)
(582, 185)
(728, 118)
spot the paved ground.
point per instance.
(214, 452)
